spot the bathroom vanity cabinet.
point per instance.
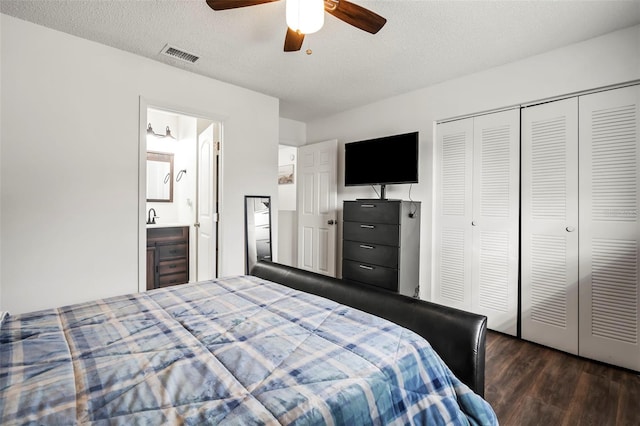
(167, 256)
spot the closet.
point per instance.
(580, 227)
(476, 216)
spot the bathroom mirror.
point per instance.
(257, 219)
(159, 177)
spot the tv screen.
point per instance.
(382, 161)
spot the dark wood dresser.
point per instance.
(381, 244)
(167, 256)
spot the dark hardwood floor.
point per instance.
(529, 384)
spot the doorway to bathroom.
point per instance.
(179, 175)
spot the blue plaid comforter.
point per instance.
(237, 351)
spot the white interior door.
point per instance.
(550, 224)
(206, 215)
(609, 227)
(496, 220)
(452, 252)
(317, 199)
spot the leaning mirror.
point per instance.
(159, 177)
(257, 215)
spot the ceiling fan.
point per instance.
(344, 10)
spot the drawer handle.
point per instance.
(173, 266)
(366, 247)
(367, 206)
(173, 281)
(173, 251)
(368, 268)
(367, 226)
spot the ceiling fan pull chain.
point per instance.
(308, 51)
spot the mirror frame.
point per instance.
(167, 158)
(251, 254)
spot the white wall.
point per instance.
(185, 159)
(1, 103)
(606, 60)
(292, 134)
(287, 157)
(70, 217)
(287, 214)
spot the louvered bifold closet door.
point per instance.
(609, 226)
(495, 222)
(453, 214)
(549, 205)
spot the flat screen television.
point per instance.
(382, 161)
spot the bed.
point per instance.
(260, 349)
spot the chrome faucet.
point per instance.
(152, 220)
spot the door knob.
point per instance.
(570, 229)
(331, 222)
(473, 223)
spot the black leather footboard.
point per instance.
(457, 336)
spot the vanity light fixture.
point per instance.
(168, 134)
(150, 132)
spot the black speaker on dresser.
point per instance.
(381, 244)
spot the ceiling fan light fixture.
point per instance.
(305, 16)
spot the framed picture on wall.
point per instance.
(285, 174)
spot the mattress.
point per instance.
(237, 351)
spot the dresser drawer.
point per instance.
(172, 266)
(173, 279)
(370, 274)
(374, 233)
(371, 253)
(171, 250)
(167, 234)
(374, 211)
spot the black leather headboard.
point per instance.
(457, 336)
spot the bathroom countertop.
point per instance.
(166, 225)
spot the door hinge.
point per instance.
(218, 146)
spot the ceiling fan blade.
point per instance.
(293, 40)
(234, 4)
(356, 15)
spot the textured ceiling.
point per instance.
(423, 42)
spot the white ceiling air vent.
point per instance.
(180, 54)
